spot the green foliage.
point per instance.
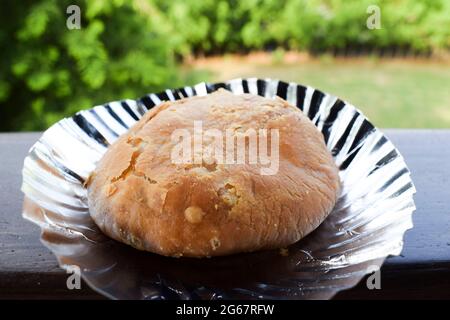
(221, 26)
(49, 71)
(126, 48)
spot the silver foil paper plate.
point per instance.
(367, 224)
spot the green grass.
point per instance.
(393, 93)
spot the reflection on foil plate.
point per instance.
(367, 224)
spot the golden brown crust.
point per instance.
(138, 196)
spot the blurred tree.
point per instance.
(49, 71)
(221, 26)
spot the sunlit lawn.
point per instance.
(393, 93)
